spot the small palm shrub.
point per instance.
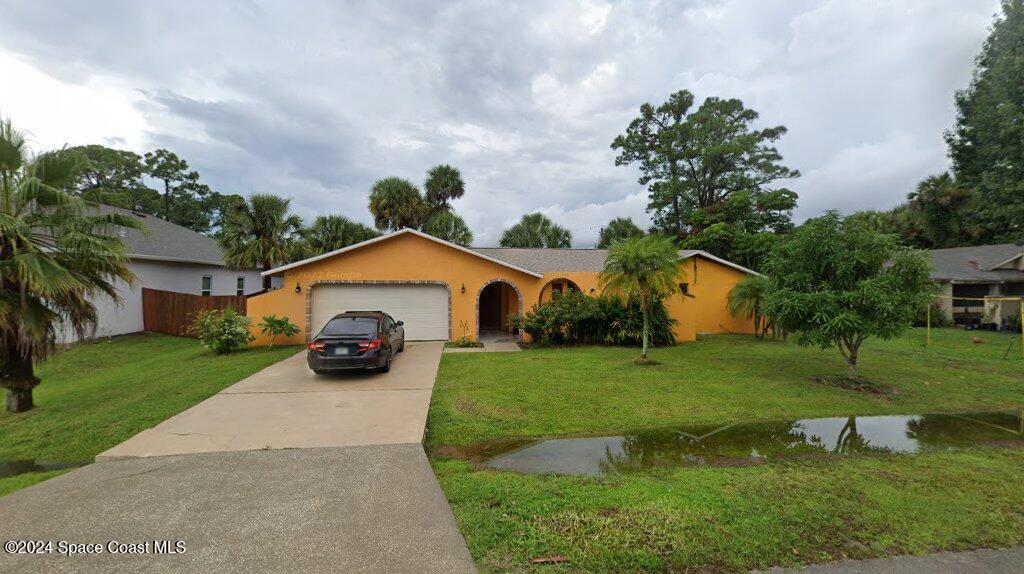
(221, 331)
(274, 327)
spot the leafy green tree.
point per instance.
(642, 269)
(54, 257)
(835, 285)
(536, 230)
(396, 203)
(449, 227)
(274, 327)
(444, 183)
(941, 207)
(332, 232)
(113, 176)
(987, 142)
(618, 228)
(261, 233)
(746, 299)
(182, 198)
(694, 161)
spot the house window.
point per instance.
(240, 286)
(684, 288)
(207, 285)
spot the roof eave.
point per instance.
(725, 262)
(175, 259)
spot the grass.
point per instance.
(98, 394)
(721, 378)
(737, 518)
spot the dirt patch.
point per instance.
(855, 384)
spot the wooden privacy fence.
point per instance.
(172, 313)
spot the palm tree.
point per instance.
(260, 233)
(746, 299)
(536, 230)
(332, 232)
(449, 227)
(618, 228)
(444, 183)
(396, 203)
(643, 269)
(55, 255)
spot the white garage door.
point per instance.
(423, 308)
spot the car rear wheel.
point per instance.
(402, 348)
(319, 372)
(387, 365)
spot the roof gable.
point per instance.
(404, 230)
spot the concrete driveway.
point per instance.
(282, 472)
(287, 406)
(358, 509)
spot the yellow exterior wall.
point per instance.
(710, 283)
(408, 257)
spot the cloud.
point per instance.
(524, 97)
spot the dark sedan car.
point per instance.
(356, 340)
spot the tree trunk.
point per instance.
(851, 357)
(19, 400)
(646, 334)
(19, 379)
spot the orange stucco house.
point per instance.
(444, 291)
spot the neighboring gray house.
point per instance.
(168, 257)
(980, 271)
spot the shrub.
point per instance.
(274, 327)
(623, 324)
(572, 318)
(939, 318)
(221, 331)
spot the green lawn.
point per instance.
(727, 519)
(96, 395)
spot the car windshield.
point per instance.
(351, 327)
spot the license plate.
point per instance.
(341, 350)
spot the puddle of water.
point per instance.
(740, 444)
(14, 467)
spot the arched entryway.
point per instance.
(556, 285)
(495, 301)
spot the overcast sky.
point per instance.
(316, 100)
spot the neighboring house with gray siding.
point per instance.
(168, 257)
(979, 271)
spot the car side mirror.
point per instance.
(399, 323)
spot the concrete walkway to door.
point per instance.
(287, 406)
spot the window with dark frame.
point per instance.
(207, 285)
(240, 286)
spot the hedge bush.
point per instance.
(573, 318)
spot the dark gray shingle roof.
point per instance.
(975, 263)
(546, 260)
(553, 260)
(164, 240)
